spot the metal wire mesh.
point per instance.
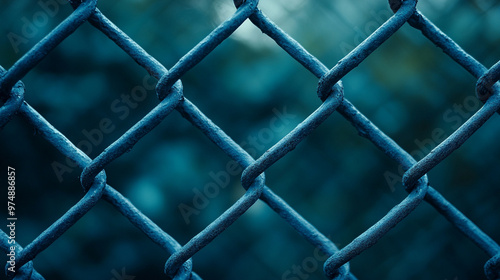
(170, 93)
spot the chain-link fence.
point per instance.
(169, 90)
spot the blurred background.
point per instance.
(336, 179)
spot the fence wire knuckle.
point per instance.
(169, 90)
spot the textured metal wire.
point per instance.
(170, 93)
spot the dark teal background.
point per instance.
(409, 88)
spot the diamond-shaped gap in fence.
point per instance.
(248, 82)
(169, 163)
(456, 114)
(374, 88)
(174, 176)
(389, 108)
(343, 180)
(344, 159)
(466, 124)
(124, 106)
